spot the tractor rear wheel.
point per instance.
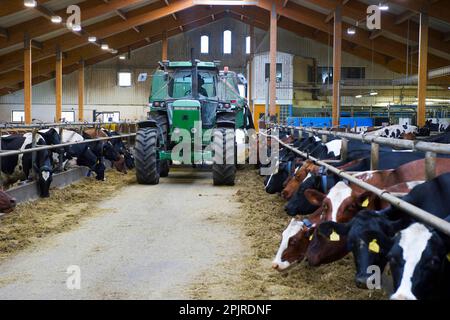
(224, 168)
(146, 156)
(161, 120)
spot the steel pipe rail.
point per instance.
(441, 148)
(61, 145)
(412, 210)
(58, 125)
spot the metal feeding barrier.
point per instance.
(39, 126)
(412, 210)
(431, 149)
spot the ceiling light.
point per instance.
(358, 96)
(105, 46)
(76, 27)
(56, 19)
(92, 39)
(383, 7)
(114, 51)
(351, 31)
(30, 3)
(373, 93)
(122, 57)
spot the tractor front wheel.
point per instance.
(146, 156)
(224, 168)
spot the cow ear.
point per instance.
(314, 197)
(327, 228)
(363, 199)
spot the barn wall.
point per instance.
(103, 94)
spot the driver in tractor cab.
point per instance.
(201, 90)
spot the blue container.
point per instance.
(321, 122)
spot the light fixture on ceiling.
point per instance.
(92, 39)
(383, 6)
(122, 57)
(105, 46)
(373, 93)
(30, 3)
(114, 51)
(56, 19)
(76, 27)
(351, 31)
(359, 96)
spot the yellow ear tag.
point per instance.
(374, 247)
(448, 257)
(334, 236)
(365, 204)
(311, 237)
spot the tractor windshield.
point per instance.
(228, 88)
(180, 84)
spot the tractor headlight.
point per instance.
(156, 104)
(194, 130)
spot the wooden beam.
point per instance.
(81, 90)
(405, 16)
(58, 85)
(40, 26)
(446, 37)
(105, 29)
(4, 33)
(164, 46)
(436, 9)
(423, 70)
(375, 34)
(273, 63)
(27, 77)
(337, 57)
(329, 17)
(13, 6)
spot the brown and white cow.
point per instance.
(342, 203)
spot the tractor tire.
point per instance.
(161, 120)
(146, 156)
(224, 148)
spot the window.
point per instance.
(279, 71)
(325, 74)
(68, 116)
(17, 116)
(204, 44)
(227, 42)
(241, 88)
(124, 79)
(247, 45)
(111, 116)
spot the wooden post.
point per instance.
(273, 63)
(374, 156)
(337, 56)
(430, 165)
(164, 46)
(423, 69)
(58, 85)
(250, 70)
(27, 79)
(344, 149)
(81, 91)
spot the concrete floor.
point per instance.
(152, 242)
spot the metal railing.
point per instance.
(431, 149)
(412, 210)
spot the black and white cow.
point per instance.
(19, 167)
(394, 131)
(121, 148)
(417, 255)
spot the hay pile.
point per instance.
(263, 220)
(64, 209)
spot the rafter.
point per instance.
(356, 10)
(99, 57)
(436, 9)
(101, 30)
(41, 26)
(381, 45)
(13, 6)
(149, 30)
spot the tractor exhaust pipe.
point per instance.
(194, 76)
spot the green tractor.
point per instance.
(192, 97)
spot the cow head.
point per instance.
(99, 169)
(298, 204)
(7, 203)
(300, 175)
(418, 259)
(274, 182)
(368, 236)
(294, 242)
(115, 157)
(129, 159)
